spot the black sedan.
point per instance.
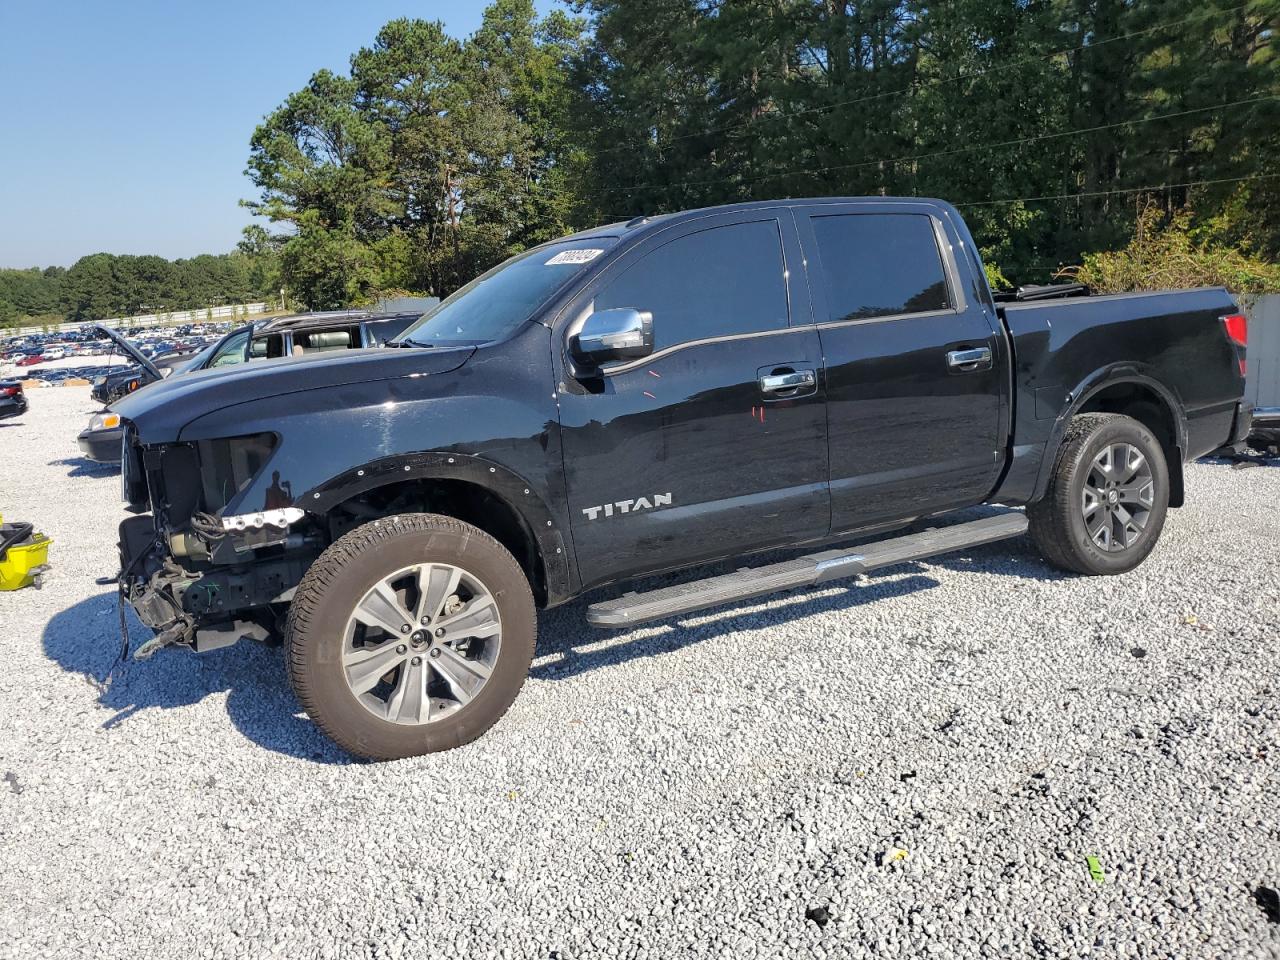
(100, 440)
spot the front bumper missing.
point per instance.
(199, 610)
(152, 588)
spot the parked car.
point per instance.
(299, 335)
(115, 384)
(310, 333)
(647, 397)
(13, 399)
(30, 360)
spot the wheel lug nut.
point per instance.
(401, 648)
(435, 652)
(405, 628)
(425, 621)
(417, 661)
(440, 631)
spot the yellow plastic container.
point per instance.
(24, 564)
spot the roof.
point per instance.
(646, 224)
(326, 318)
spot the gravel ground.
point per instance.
(917, 764)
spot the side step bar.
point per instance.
(633, 608)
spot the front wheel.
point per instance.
(409, 635)
(1107, 499)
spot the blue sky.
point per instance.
(125, 125)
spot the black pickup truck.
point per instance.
(644, 397)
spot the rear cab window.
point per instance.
(879, 265)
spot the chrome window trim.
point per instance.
(950, 268)
(676, 347)
(834, 324)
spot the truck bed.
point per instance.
(1173, 349)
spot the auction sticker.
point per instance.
(573, 256)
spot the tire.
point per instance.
(1076, 538)
(437, 693)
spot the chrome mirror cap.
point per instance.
(607, 336)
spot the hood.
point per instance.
(133, 352)
(161, 411)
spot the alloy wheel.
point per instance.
(1118, 495)
(421, 643)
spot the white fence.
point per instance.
(231, 311)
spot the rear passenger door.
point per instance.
(699, 450)
(916, 376)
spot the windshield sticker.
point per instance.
(573, 256)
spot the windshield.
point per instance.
(491, 306)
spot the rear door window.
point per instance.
(267, 348)
(721, 281)
(319, 341)
(878, 265)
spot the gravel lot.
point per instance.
(916, 764)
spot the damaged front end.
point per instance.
(196, 577)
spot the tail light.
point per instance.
(8, 391)
(1236, 326)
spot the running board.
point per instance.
(633, 608)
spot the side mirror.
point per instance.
(617, 334)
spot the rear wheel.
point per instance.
(409, 635)
(1107, 499)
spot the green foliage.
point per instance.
(105, 285)
(1076, 107)
(995, 278)
(1049, 123)
(432, 160)
(1164, 254)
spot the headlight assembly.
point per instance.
(228, 465)
(104, 421)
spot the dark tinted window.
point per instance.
(875, 264)
(712, 283)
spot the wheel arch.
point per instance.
(1130, 391)
(472, 489)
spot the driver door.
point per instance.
(692, 453)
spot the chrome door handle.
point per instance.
(969, 359)
(793, 380)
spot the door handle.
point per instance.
(965, 360)
(790, 380)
